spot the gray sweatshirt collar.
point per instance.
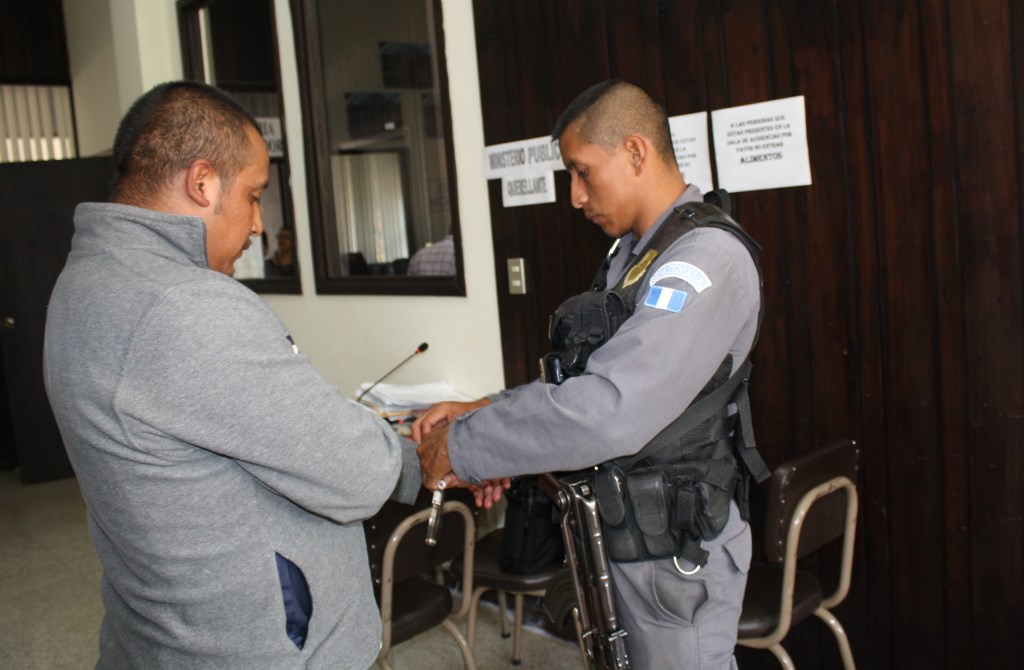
(103, 226)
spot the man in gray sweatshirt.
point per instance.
(225, 479)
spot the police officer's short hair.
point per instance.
(168, 128)
(608, 112)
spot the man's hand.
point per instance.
(441, 414)
(430, 432)
(433, 453)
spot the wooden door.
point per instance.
(894, 283)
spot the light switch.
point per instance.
(516, 276)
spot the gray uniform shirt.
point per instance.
(640, 380)
(204, 444)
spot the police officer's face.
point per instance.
(603, 183)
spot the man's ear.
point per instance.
(199, 182)
(639, 150)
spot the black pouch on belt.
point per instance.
(649, 498)
(620, 538)
(636, 514)
(715, 491)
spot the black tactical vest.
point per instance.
(663, 500)
(584, 322)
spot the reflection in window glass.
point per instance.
(385, 135)
(254, 262)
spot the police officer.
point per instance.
(696, 312)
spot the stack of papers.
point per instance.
(394, 401)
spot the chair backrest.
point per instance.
(812, 502)
(792, 480)
(419, 558)
(399, 557)
(408, 553)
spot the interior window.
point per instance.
(379, 156)
(232, 45)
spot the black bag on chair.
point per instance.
(533, 536)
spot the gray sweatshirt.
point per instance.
(204, 444)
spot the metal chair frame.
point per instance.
(489, 576)
(386, 657)
(773, 641)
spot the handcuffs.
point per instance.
(434, 522)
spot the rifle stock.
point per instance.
(601, 637)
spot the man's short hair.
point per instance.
(608, 112)
(170, 127)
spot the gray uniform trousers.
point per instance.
(682, 621)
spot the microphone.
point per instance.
(419, 350)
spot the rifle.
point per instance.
(602, 640)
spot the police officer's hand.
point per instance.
(436, 466)
(440, 414)
(490, 491)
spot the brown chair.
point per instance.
(411, 601)
(489, 576)
(812, 502)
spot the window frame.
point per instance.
(190, 35)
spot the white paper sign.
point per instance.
(761, 146)
(525, 157)
(530, 189)
(270, 127)
(690, 141)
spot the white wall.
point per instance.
(349, 338)
(91, 57)
(147, 46)
(359, 338)
(117, 50)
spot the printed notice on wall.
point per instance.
(530, 189)
(270, 127)
(690, 141)
(525, 157)
(761, 146)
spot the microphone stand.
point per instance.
(419, 350)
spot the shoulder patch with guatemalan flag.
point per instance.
(670, 299)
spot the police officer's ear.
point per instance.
(638, 149)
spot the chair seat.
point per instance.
(488, 573)
(760, 615)
(417, 606)
(488, 576)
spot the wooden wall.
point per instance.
(894, 282)
(32, 46)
